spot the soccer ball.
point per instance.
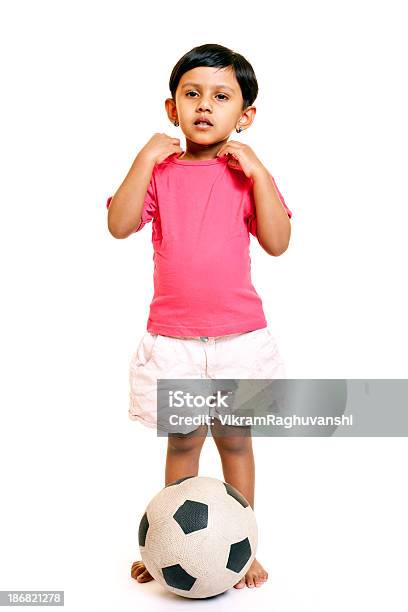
(198, 536)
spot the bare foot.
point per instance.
(255, 576)
(139, 572)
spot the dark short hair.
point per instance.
(217, 56)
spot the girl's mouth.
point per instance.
(202, 126)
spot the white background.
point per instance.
(83, 89)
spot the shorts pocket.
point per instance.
(146, 349)
(268, 357)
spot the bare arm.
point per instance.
(126, 205)
(273, 225)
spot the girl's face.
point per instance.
(212, 93)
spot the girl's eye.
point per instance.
(194, 92)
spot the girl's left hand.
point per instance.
(241, 157)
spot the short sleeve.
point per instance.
(251, 219)
(149, 210)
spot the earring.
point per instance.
(238, 130)
(176, 123)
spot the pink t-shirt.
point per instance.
(202, 213)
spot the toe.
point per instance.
(250, 582)
(137, 568)
(144, 576)
(240, 584)
(135, 571)
(259, 580)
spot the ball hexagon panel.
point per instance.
(177, 577)
(199, 555)
(192, 516)
(240, 553)
(242, 523)
(143, 527)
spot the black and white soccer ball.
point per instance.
(198, 536)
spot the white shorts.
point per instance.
(249, 355)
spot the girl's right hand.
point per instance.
(160, 146)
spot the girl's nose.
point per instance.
(204, 105)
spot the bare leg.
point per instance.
(183, 454)
(235, 448)
(183, 457)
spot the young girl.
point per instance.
(206, 319)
